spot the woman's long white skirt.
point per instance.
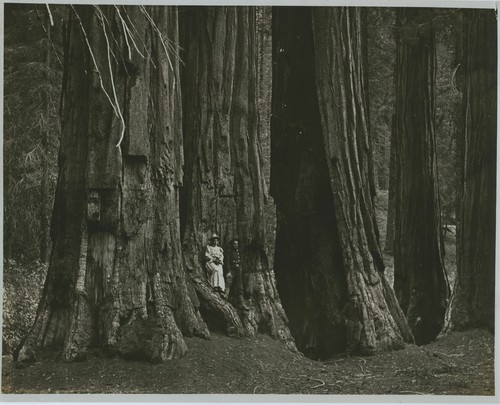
(217, 275)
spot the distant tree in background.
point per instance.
(448, 107)
(473, 300)
(381, 50)
(32, 86)
(380, 68)
(419, 275)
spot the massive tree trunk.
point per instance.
(116, 278)
(328, 262)
(223, 183)
(473, 300)
(419, 275)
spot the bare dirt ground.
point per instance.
(459, 364)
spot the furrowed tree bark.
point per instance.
(264, 68)
(349, 159)
(419, 276)
(223, 184)
(363, 43)
(473, 300)
(116, 278)
(389, 237)
(328, 261)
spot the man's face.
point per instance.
(235, 244)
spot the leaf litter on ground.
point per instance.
(461, 363)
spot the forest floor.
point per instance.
(461, 363)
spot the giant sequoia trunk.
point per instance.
(419, 275)
(328, 262)
(473, 301)
(116, 277)
(223, 183)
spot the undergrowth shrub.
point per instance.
(22, 288)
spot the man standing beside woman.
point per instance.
(214, 257)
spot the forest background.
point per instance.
(33, 79)
(35, 36)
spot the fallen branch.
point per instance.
(321, 382)
(440, 356)
(359, 358)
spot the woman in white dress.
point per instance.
(214, 259)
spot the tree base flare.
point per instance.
(146, 339)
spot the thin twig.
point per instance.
(125, 33)
(50, 15)
(94, 60)
(118, 46)
(112, 80)
(128, 34)
(164, 41)
(360, 358)
(49, 39)
(321, 382)
(139, 38)
(453, 81)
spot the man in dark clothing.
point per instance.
(234, 278)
